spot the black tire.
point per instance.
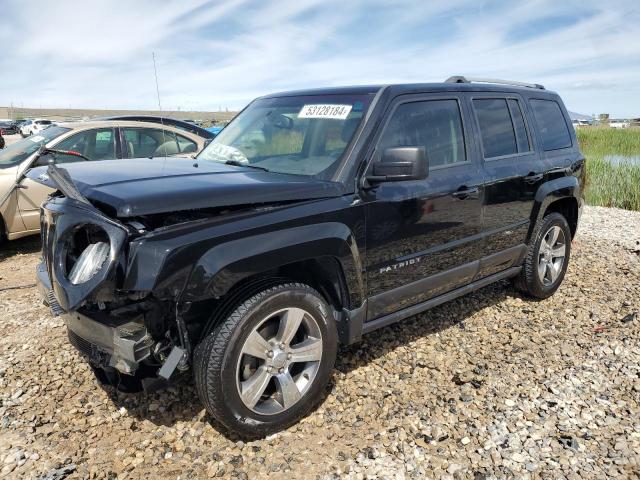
(528, 281)
(3, 231)
(1, 142)
(216, 358)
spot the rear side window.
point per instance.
(496, 129)
(186, 145)
(153, 142)
(551, 124)
(433, 124)
(522, 139)
(502, 127)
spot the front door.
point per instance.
(422, 236)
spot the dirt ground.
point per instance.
(492, 385)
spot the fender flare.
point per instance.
(221, 267)
(549, 192)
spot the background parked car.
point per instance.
(619, 124)
(2, 143)
(17, 124)
(35, 126)
(8, 127)
(96, 140)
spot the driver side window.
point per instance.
(433, 124)
(96, 144)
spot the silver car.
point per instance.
(20, 198)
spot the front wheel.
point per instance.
(547, 257)
(266, 365)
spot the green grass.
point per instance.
(611, 185)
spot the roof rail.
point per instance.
(461, 79)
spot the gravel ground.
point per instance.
(491, 385)
(9, 139)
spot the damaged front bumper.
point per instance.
(112, 330)
(111, 342)
(113, 345)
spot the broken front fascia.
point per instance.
(107, 340)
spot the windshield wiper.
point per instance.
(236, 163)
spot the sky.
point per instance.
(212, 54)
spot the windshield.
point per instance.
(21, 150)
(304, 135)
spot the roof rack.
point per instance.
(461, 79)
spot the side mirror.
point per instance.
(400, 164)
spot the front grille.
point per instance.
(83, 346)
(94, 354)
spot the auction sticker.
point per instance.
(36, 138)
(325, 111)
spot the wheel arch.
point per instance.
(562, 195)
(568, 208)
(324, 256)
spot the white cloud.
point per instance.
(98, 53)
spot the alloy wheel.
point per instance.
(551, 255)
(279, 361)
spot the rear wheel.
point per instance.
(266, 365)
(547, 257)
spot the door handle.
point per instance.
(533, 178)
(464, 192)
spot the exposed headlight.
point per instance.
(89, 262)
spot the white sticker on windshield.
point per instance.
(325, 111)
(36, 138)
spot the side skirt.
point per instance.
(434, 302)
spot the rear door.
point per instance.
(422, 235)
(513, 172)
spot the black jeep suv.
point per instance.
(315, 217)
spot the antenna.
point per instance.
(155, 71)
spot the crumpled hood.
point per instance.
(147, 186)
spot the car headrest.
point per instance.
(167, 148)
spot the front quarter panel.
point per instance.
(203, 260)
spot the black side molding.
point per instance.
(434, 302)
